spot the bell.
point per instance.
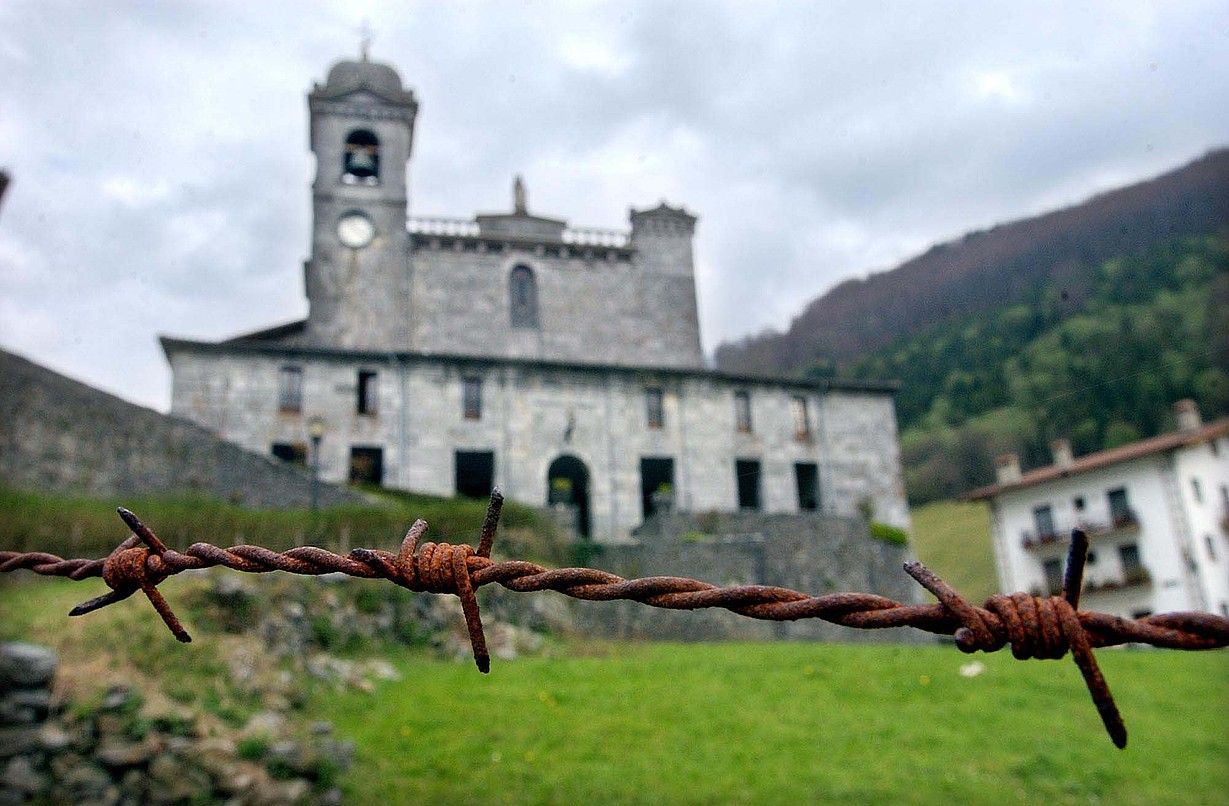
(360, 162)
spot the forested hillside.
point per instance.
(1154, 329)
(1086, 323)
(985, 270)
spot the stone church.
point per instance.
(561, 363)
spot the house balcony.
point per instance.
(1120, 522)
(1130, 578)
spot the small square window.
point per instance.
(1079, 503)
(290, 390)
(742, 411)
(654, 415)
(472, 398)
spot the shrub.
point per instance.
(252, 748)
(889, 533)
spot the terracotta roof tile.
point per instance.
(1094, 461)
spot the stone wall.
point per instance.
(806, 552)
(608, 305)
(59, 435)
(123, 749)
(533, 414)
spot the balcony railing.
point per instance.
(468, 228)
(1131, 578)
(438, 225)
(1032, 539)
(596, 236)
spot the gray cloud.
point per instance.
(161, 165)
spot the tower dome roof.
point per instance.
(348, 76)
(373, 74)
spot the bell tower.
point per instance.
(362, 132)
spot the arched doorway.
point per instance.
(567, 482)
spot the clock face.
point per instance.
(355, 230)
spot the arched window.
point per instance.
(523, 297)
(361, 159)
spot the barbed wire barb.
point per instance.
(1033, 626)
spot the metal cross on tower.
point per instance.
(365, 36)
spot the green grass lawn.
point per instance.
(714, 723)
(953, 539)
(774, 723)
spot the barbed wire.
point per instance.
(1033, 626)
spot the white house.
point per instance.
(1156, 512)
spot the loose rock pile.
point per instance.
(305, 619)
(122, 751)
(277, 638)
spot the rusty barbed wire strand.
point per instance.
(1033, 626)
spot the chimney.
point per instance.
(1061, 449)
(1188, 415)
(1007, 468)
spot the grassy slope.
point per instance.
(781, 723)
(953, 539)
(768, 723)
(89, 527)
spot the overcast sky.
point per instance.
(161, 172)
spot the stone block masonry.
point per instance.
(806, 552)
(59, 435)
(533, 413)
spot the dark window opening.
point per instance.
(366, 392)
(523, 297)
(290, 390)
(366, 465)
(471, 393)
(807, 476)
(1120, 510)
(656, 476)
(747, 473)
(1197, 491)
(1054, 576)
(653, 407)
(294, 453)
(1128, 553)
(1043, 519)
(1138, 614)
(361, 158)
(742, 412)
(1211, 546)
(1092, 558)
(567, 483)
(475, 473)
(1079, 503)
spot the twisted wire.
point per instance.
(1033, 626)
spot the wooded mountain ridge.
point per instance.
(988, 269)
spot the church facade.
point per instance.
(561, 364)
